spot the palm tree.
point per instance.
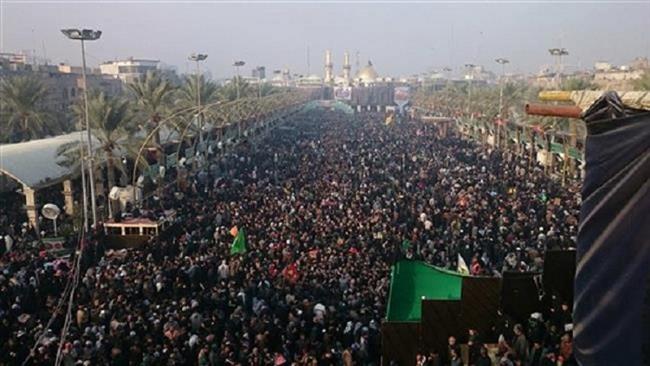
(152, 94)
(110, 123)
(578, 84)
(266, 89)
(228, 92)
(185, 97)
(22, 111)
(185, 104)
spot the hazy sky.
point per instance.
(399, 38)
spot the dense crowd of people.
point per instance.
(326, 201)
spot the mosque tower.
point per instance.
(329, 68)
(346, 66)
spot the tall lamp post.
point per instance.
(502, 62)
(198, 58)
(86, 35)
(237, 65)
(470, 67)
(558, 53)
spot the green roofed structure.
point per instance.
(412, 282)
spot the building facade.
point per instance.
(128, 70)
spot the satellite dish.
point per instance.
(162, 171)
(51, 211)
(114, 193)
(182, 161)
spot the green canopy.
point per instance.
(412, 282)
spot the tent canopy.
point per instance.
(412, 282)
(34, 163)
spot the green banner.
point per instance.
(575, 153)
(557, 148)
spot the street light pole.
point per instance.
(86, 35)
(469, 90)
(198, 58)
(558, 53)
(237, 64)
(503, 63)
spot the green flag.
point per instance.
(239, 243)
(406, 244)
(543, 197)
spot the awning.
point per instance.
(34, 163)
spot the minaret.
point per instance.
(329, 67)
(346, 66)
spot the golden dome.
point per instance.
(367, 74)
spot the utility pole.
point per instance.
(86, 35)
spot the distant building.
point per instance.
(66, 89)
(602, 66)
(640, 63)
(64, 84)
(15, 58)
(15, 62)
(310, 81)
(259, 72)
(368, 76)
(250, 80)
(68, 69)
(128, 70)
(281, 78)
(478, 73)
(608, 76)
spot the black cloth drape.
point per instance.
(612, 282)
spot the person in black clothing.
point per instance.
(483, 358)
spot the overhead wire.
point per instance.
(60, 303)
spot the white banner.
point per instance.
(343, 93)
(402, 96)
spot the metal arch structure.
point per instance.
(275, 101)
(152, 133)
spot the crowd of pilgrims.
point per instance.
(326, 201)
